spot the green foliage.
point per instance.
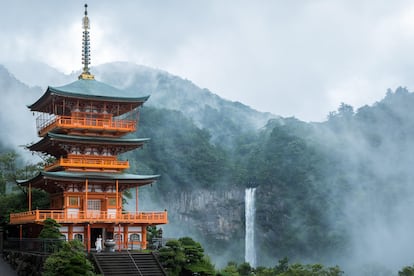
(230, 270)
(282, 269)
(172, 257)
(406, 271)
(17, 202)
(180, 151)
(185, 257)
(311, 270)
(7, 169)
(70, 260)
(50, 230)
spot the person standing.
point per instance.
(98, 244)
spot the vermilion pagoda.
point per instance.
(83, 125)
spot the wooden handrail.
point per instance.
(43, 126)
(89, 162)
(62, 216)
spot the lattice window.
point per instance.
(112, 201)
(134, 237)
(94, 204)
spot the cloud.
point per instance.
(297, 59)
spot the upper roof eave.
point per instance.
(89, 90)
(91, 176)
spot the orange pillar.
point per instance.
(119, 237)
(136, 200)
(70, 232)
(126, 236)
(89, 238)
(144, 237)
(117, 200)
(85, 208)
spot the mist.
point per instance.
(373, 148)
(365, 173)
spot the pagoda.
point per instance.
(83, 126)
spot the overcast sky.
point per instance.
(291, 58)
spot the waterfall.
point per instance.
(250, 210)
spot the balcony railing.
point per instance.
(62, 216)
(89, 163)
(84, 123)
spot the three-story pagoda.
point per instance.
(83, 126)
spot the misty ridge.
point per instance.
(333, 192)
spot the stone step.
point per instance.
(120, 263)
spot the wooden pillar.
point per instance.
(136, 200)
(70, 232)
(117, 200)
(85, 204)
(144, 237)
(89, 238)
(21, 232)
(30, 196)
(119, 238)
(126, 236)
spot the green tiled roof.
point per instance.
(96, 139)
(93, 89)
(98, 176)
(40, 180)
(90, 90)
(52, 143)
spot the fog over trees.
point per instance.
(337, 192)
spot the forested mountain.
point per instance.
(337, 192)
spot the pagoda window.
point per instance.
(106, 152)
(94, 204)
(78, 237)
(90, 151)
(135, 237)
(74, 201)
(75, 150)
(112, 201)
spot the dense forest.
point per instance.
(336, 192)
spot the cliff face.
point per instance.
(212, 213)
(215, 218)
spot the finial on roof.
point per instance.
(86, 55)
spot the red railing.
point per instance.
(70, 122)
(91, 216)
(91, 163)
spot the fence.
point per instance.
(39, 246)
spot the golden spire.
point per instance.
(86, 55)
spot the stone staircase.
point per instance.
(126, 263)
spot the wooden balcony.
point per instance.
(62, 216)
(69, 124)
(89, 163)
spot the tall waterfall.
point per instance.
(250, 250)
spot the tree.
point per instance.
(245, 269)
(406, 271)
(229, 270)
(311, 270)
(50, 230)
(172, 257)
(185, 257)
(282, 266)
(7, 169)
(69, 260)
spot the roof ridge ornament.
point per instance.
(86, 55)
